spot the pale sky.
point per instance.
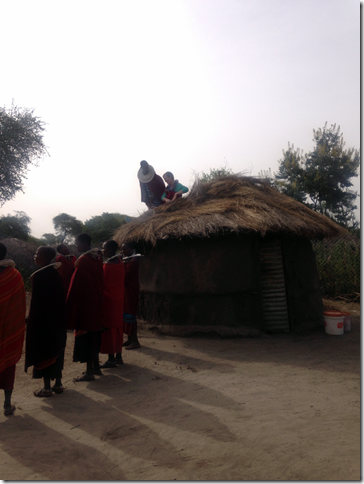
(187, 85)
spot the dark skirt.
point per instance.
(87, 346)
(7, 378)
(52, 371)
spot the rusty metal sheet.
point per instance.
(275, 311)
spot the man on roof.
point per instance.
(151, 185)
(174, 189)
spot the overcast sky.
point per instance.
(187, 85)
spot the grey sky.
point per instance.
(185, 84)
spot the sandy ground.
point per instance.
(282, 407)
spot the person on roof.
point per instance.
(173, 190)
(151, 185)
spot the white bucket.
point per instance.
(334, 322)
(347, 321)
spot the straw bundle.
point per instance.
(229, 204)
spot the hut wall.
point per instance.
(302, 284)
(212, 281)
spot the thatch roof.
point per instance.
(229, 204)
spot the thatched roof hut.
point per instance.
(229, 204)
(230, 254)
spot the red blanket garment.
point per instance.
(85, 294)
(113, 304)
(12, 317)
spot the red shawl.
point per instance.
(66, 271)
(156, 186)
(85, 294)
(113, 295)
(12, 317)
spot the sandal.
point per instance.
(94, 372)
(127, 343)
(84, 378)
(58, 390)
(133, 346)
(97, 372)
(42, 393)
(119, 361)
(108, 364)
(9, 411)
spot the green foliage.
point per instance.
(102, 227)
(67, 227)
(338, 265)
(290, 177)
(214, 173)
(266, 174)
(21, 145)
(321, 178)
(15, 226)
(49, 239)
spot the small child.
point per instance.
(174, 189)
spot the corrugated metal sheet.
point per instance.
(275, 312)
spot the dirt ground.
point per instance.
(278, 407)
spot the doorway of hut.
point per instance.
(275, 310)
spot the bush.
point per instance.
(338, 264)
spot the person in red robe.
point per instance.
(112, 334)
(131, 297)
(46, 328)
(12, 325)
(84, 306)
(151, 185)
(66, 269)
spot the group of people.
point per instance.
(95, 295)
(153, 191)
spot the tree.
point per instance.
(214, 173)
(49, 239)
(290, 176)
(21, 145)
(66, 226)
(321, 178)
(102, 227)
(15, 226)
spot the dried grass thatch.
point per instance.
(230, 204)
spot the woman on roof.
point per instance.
(151, 185)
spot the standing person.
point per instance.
(131, 297)
(151, 185)
(46, 327)
(12, 325)
(174, 189)
(66, 269)
(84, 307)
(112, 335)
